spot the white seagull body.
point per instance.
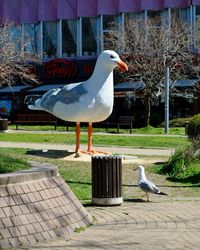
(146, 185)
(89, 101)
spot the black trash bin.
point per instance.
(107, 180)
(3, 124)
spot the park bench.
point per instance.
(125, 121)
(35, 119)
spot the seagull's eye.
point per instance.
(112, 57)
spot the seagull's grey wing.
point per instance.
(68, 94)
(149, 187)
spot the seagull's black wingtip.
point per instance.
(162, 193)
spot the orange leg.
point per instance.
(78, 151)
(90, 148)
(77, 138)
(147, 197)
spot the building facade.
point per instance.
(77, 28)
(69, 34)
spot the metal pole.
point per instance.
(167, 96)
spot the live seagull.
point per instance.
(146, 185)
(89, 101)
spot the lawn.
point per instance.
(98, 139)
(78, 174)
(145, 130)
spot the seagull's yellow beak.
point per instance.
(122, 65)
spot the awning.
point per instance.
(33, 11)
(189, 83)
(129, 86)
(13, 89)
(45, 87)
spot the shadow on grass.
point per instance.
(129, 185)
(134, 200)
(167, 170)
(51, 153)
(194, 179)
(79, 182)
(113, 132)
(169, 186)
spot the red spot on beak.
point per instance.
(122, 65)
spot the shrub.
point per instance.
(178, 122)
(177, 163)
(155, 120)
(183, 165)
(193, 130)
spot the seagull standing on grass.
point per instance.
(89, 101)
(146, 185)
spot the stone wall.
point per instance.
(37, 205)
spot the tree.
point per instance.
(15, 61)
(147, 46)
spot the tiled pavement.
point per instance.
(138, 225)
(37, 205)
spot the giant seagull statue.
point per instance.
(90, 101)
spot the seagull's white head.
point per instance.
(140, 168)
(112, 60)
(141, 172)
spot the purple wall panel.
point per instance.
(87, 8)
(48, 10)
(67, 9)
(29, 11)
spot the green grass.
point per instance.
(78, 177)
(145, 130)
(152, 130)
(9, 162)
(183, 166)
(98, 139)
(76, 174)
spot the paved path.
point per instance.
(137, 225)
(70, 148)
(14, 131)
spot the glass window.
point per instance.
(153, 24)
(49, 39)
(131, 16)
(69, 38)
(165, 17)
(197, 27)
(110, 22)
(16, 35)
(89, 36)
(181, 14)
(31, 38)
(110, 34)
(155, 16)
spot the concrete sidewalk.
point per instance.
(70, 148)
(137, 225)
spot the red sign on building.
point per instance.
(60, 68)
(63, 69)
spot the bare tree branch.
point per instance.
(15, 62)
(147, 45)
